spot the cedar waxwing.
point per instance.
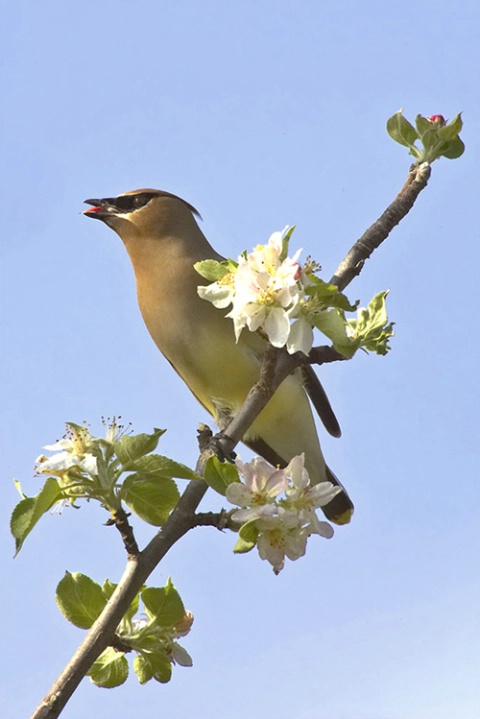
(164, 241)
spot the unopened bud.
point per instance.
(184, 625)
(437, 120)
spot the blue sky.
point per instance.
(261, 115)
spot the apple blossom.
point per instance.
(279, 507)
(267, 291)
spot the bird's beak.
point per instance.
(100, 208)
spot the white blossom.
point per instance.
(262, 483)
(219, 293)
(281, 504)
(73, 452)
(267, 292)
(281, 536)
(62, 462)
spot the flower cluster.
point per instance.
(74, 463)
(119, 468)
(278, 509)
(267, 291)
(81, 461)
(272, 293)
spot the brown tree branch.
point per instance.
(363, 248)
(120, 520)
(277, 365)
(221, 520)
(102, 633)
(323, 355)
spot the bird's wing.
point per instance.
(320, 401)
(309, 380)
(259, 446)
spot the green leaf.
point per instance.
(430, 144)
(423, 125)
(155, 664)
(162, 670)
(109, 670)
(151, 499)
(164, 605)
(29, 510)
(450, 132)
(247, 537)
(400, 130)
(108, 589)
(149, 641)
(285, 242)
(332, 323)
(453, 149)
(142, 668)
(130, 449)
(155, 466)
(329, 295)
(218, 475)
(213, 270)
(80, 599)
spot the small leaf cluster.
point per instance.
(438, 137)
(369, 331)
(116, 470)
(152, 637)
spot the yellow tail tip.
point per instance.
(343, 518)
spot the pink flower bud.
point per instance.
(437, 120)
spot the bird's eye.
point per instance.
(140, 200)
(129, 203)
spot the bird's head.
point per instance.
(141, 213)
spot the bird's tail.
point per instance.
(340, 509)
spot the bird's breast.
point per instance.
(200, 344)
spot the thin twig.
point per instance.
(221, 520)
(363, 248)
(120, 520)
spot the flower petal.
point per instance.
(301, 337)
(277, 327)
(271, 552)
(276, 483)
(220, 295)
(181, 656)
(239, 494)
(324, 529)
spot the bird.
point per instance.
(164, 241)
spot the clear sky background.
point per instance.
(261, 114)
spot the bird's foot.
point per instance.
(218, 444)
